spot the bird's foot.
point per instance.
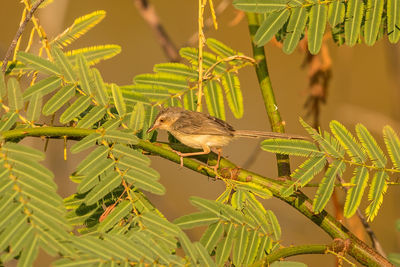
(181, 156)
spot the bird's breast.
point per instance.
(198, 141)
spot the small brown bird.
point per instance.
(199, 130)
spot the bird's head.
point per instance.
(165, 118)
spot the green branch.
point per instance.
(355, 247)
(291, 251)
(267, 92)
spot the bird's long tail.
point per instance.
(261, 134)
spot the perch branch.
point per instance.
(355, 247)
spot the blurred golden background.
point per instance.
(365, 88)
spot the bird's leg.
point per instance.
(219, 151)
(206, 150)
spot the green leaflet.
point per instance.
(92, 177)
(100, 91)
(125, 151)
(252, 247)
(212, 236)
(225, 245)
(209, 59)
(37, 63)
(80, 26)
(14, 148)
(204, 257)
(214, 99)
(190, 100)
(91, 160)
(240, 245)
(3, 87)
(393, 20)
(187, 246)
(326, 145)
(256, 189)
(59, 99)
(43, 87)
(173, 83)
(271, 25)
(264, 247)
(259, 6)
(63, 63)
(29, 167)
(136, 120)
(316, 27)
(374, 152)
(211, 206)
(231, 85)
(106, 185)
(93, 116)
(220, 49)
(393, 145)
(347, 140)
(355, 193)
(145, 182)
(132, 98)
(336, 11)
(306, 172)
(291, 147)
(295, 29)
(15, 100)
(17, 149)
(8, 120)
(196, 219)
(373, 17)
(115, 136)
(378, 187)
(85, 80)
(153, 93)
(174, 102)
(352, 24)
(34, 108)
(150, 218)
(327, 184)
(94, 54)
(178, 69)
(273, 225)
(30, 252)
(150, 244)
(79, 106)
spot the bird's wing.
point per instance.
(200, 123)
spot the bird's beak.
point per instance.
(153, 127)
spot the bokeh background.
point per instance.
(365, 88)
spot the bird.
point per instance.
(203, 131)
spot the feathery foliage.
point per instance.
(330, 150)
(352, 19)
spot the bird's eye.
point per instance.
(162, 120)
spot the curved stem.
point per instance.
(267, 92)
(354, 247)
(291, 251)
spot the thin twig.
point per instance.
(148, 12)
(18, 34)
(202, 4)
(209, 22)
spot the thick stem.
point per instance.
(354, 247)
(267, 92)
(291, 251)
